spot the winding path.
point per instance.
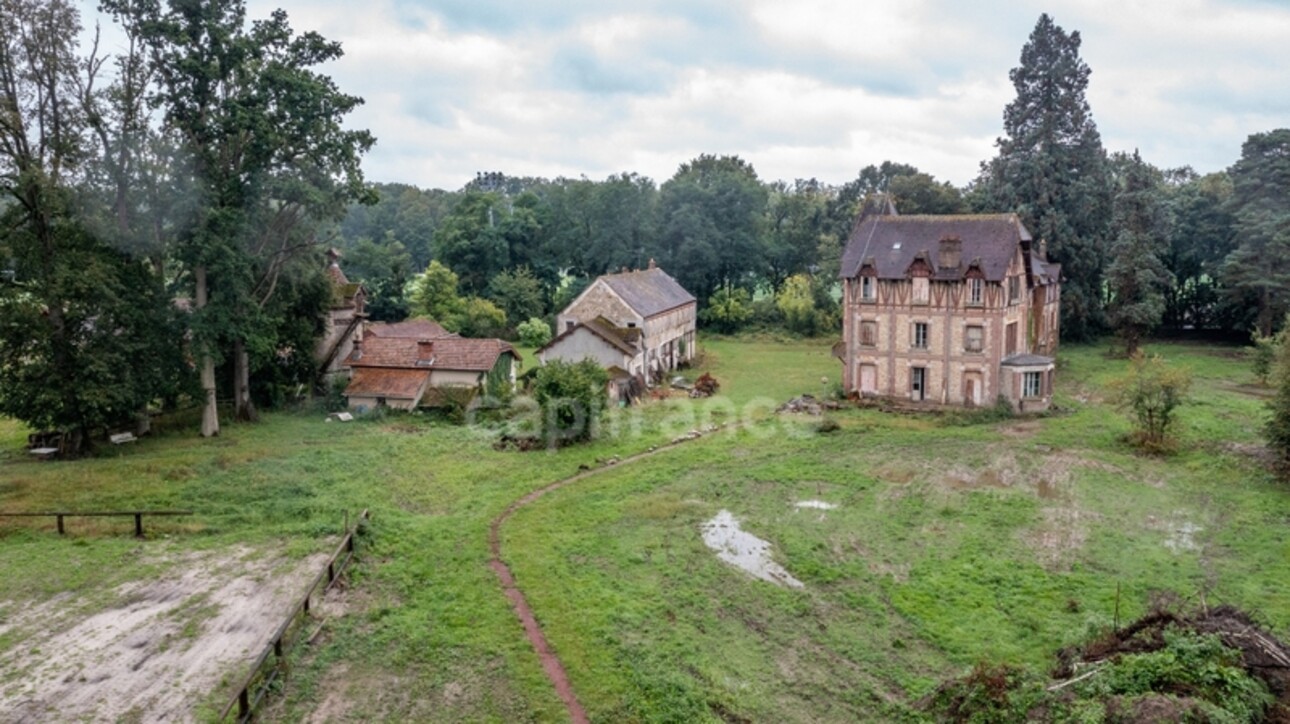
(551, 663)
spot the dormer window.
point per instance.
(922, 290)
(976, 291)
(868, 288)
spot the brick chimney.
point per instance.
(652, 265)
(951, 253)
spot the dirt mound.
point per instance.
(1262, 655)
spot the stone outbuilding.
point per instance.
(641, 322)
(344, 322)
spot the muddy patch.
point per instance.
(153, 650)
(1180, 533)
(744, 550)
(1059, 537)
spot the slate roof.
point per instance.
(416, 328)
(616, 337)
(386, 382)
(648, 291)
(891, 244)
(442, 353)
(1026, 360)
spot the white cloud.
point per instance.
(814, 88)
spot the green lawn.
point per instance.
(949, 545)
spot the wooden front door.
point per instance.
(972, 389)
(868, 379)
(918, 384)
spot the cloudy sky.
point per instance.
(807, 88)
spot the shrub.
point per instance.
(1278, 427)
(534, 333)
(1263, 355)
(1151, 392)
(728, 310)
(571, 397)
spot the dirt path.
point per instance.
(551, 663)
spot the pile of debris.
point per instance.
(807, 404)
(1262, 654)
(705, 386)
(1138, 674)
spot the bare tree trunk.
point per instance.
(244, 408)
(210, 405)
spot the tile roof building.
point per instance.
(396, 365)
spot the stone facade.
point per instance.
(935, 308)
(647, 300)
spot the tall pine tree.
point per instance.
(1137, 277)
(1260, 266)
(1052, 169)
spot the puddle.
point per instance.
(1181, 537)
(816, 504)
(745, 550)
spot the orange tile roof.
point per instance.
(402, 384)
(444, 353)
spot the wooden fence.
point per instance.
(270, 664)
(60, 515)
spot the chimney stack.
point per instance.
(652, 265)
(951, 253)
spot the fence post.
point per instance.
(60, 525)
(138, 525)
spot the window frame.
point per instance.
(868, 288)
(976, 292)
(923, 284)
(1031, 391)
(967, 338)
(925, 338)
(872, 326)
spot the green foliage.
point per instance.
(1263, 354)
(1152, 391)
(1260, 265)
(1052, 171)
(471, 240)
(478, 318)
(1136, 277)
(384, 269)
(1277, 430)
(433, 293)
(728, 310)
(534, 333)
(571, 397)
(806, 307)
(711, 230)
(1203, 234)
(1190, 664)
(518, 293)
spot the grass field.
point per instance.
(949, 545)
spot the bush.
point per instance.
(1151, 392)
(728, 310)
(1278, 427)
(1263, 355)
(534, 333)
(571, 397)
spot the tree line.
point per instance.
(163, 213)
(1142, 247)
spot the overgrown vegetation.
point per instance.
(1028, 525)
(1152, 391)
